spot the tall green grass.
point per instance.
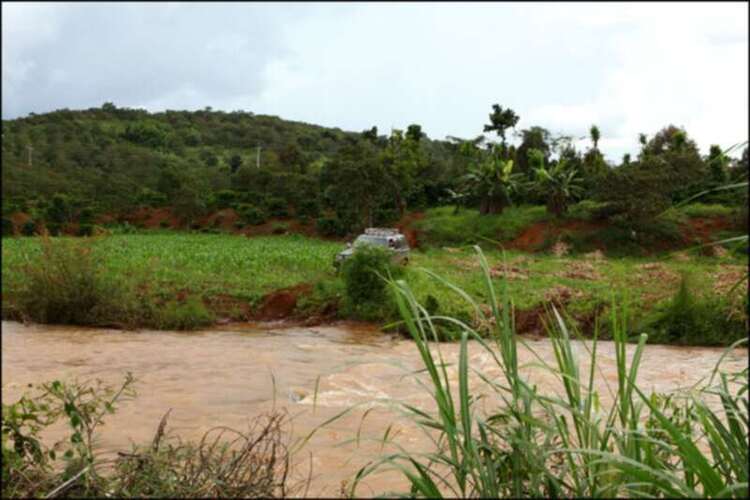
(566, 444)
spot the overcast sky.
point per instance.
(629, 68)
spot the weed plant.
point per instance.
(566, 444)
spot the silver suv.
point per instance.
(387, 238)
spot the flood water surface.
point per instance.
(227, 376)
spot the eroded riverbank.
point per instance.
(227, 375)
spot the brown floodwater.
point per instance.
(227, 375)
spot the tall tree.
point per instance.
(501, 120)
(595, 135)
(718, 164)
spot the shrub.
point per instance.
(85, 229)
(308, 207)
(7, 227)
(689, 319)
(365, 274)
(279, 228)
(589, 210)
(164, 224)
(29, 228)
(224, 199)
(225, 463)
(251, 214)
(330, 226)
(86, 215)
(187, 315)
(68, 284)
(53, 228)
(707, 210)
(277, 207)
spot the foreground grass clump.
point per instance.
(224, 463)
(566, 444)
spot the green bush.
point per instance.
(588, 210)
(29, 228)
(279, 228)
(308, 207)
(68, 284)
(85, 229)
(689, 319)
(706, 210)
(330, 226)
(187, 315)
(259, 465)
(251, 214)
(7, 227)
(277, 207)
(223, 199)
(53, 228)
(86, 215)
(365, 274)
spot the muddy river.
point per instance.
(230, 374)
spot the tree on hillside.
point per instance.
(718, 164)
(402, 160)
(371, 134)
(414, 133)
(353, 184)
(595, 135)
(501, 120)
(559, 182)
(493, 182)
(235, 162)
(537, 138)
(672, 151)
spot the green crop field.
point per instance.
(205, 263)
(168, 264)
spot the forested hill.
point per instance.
(114, 159)
(80, 167)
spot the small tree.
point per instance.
(718, 164)
(492, 181)
(235, 162)
(559, 182)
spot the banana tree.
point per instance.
(559, 183)
(491, 178)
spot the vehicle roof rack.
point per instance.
(381, 231)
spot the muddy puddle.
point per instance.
(228, 375)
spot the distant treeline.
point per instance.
(71, 166)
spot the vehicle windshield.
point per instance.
(366, 239)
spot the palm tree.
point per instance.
(492, 180)
(560, 183)
(595, 135)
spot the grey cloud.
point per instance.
(134, 54)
